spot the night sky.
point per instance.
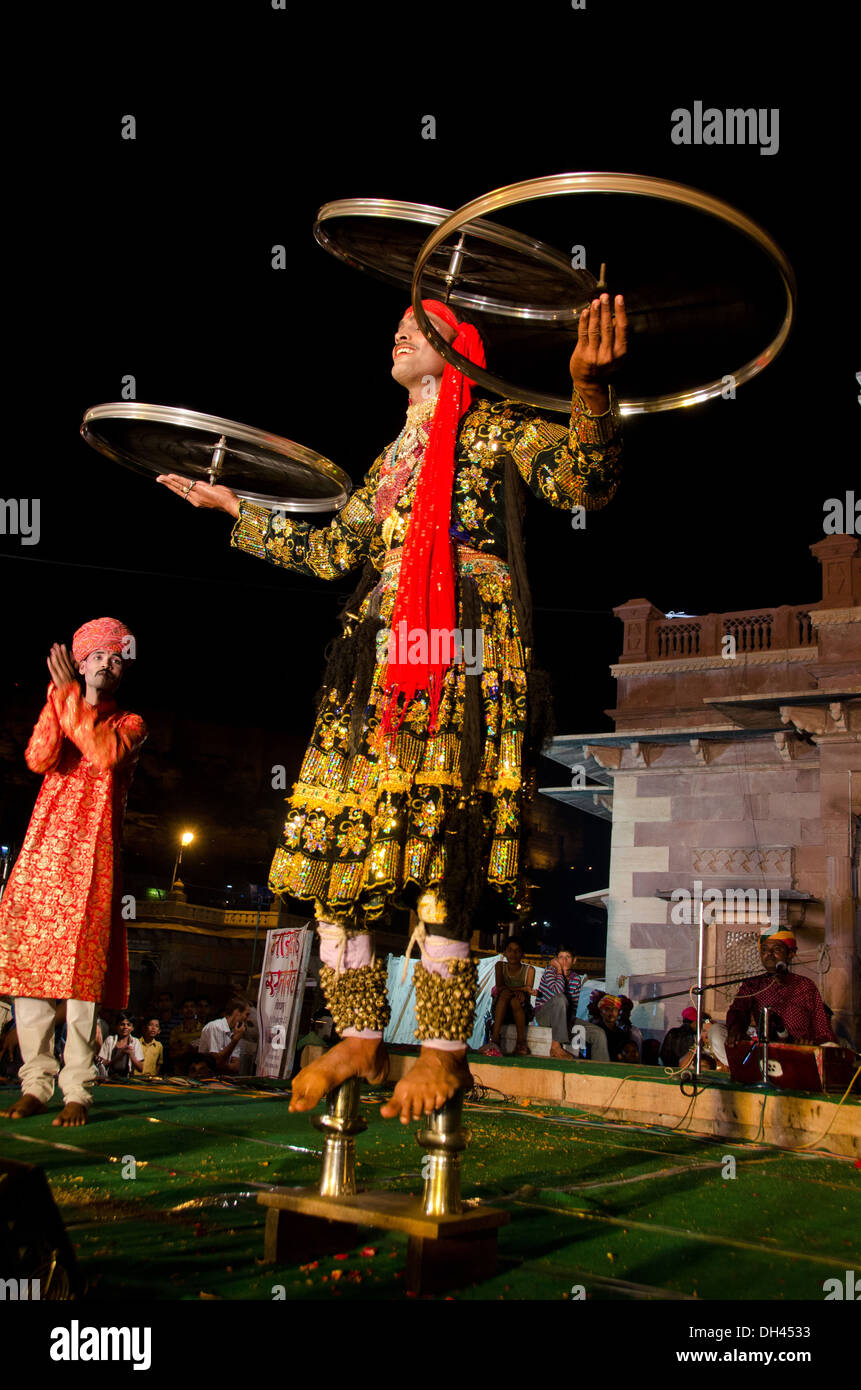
(152, 257)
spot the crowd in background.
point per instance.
(191, 1038)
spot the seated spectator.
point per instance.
(185, 1038)
(609, 1028)
(679, 1041)
(103, 1029)
(202, 1068)
(204, 1011)
(512, 994)
(651, 1052)
(220, 1039)
(168, 1016)
(153, 1051)
(251, 1041)
(11, 1061)
(121, 1054)
(556, 1005)
(630, 1052)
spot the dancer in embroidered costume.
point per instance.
(411, 790)
(62, 935)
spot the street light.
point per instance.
(185, 839)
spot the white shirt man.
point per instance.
(222, 1037)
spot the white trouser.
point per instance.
(34, 1019)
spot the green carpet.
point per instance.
(624, 1211)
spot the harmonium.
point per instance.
(796, 1068)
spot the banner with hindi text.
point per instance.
(279, 1002)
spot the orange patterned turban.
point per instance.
(610, 1001)
(102, 635)
(785, 936)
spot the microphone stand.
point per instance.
(695, 989)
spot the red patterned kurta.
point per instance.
(794, 997)
(62, 935)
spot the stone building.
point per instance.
(735, 765)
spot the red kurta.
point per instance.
(62, 934)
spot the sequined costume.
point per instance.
(365, 826)
(62, 935)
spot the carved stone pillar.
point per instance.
(636, 615)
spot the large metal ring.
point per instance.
(640, 185)
(580, 285)
(259, 467)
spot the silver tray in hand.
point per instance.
(257, 466)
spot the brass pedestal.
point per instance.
(444, 1141)
(339, 1127)
(447, 1245)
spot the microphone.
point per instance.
(781, 968)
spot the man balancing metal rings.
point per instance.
(411, 791)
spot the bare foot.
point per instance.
(72, 1114)
(431, 1082)
(365, 1057)
(558, 1051)
(23, 1108)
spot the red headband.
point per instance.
(426, 598)
(440, 310)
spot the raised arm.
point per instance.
(578, 466)
(43, 752)
(104, 744)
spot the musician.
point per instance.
(797, 1013)
(678, 1042)
(411, 792)
(62, 935)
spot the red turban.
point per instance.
(690, 1012)
(785, 936)
(103, 635)
(425, 600)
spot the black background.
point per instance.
(152, 257)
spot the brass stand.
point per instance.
(444, 1141)
(339, 1127)
(447, 1246)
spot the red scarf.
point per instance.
(425, 605)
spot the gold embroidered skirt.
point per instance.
(362, 829)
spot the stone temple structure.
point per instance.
(735, 766)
